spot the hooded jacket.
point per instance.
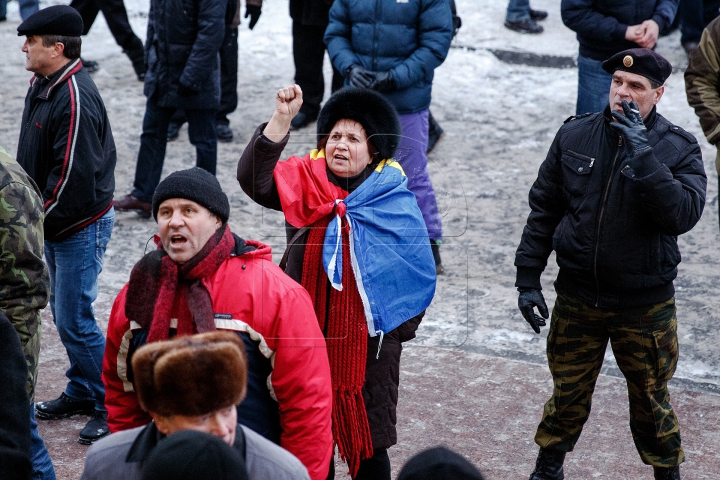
(67, 147)
(289, 390)
(614, 231)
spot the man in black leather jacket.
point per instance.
(613, 194)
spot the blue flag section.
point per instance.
(389, 249)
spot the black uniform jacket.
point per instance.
(614, 230)
(66, 146)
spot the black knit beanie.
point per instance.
(194, 184)
(193, 455)
(371, 110)
(439, 463)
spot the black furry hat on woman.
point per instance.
(371, 110)
(194, 184)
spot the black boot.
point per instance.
(672, 473)
(137, 57)
(435, 247)
(549, 465)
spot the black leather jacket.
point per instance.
(614, 233)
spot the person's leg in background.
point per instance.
(690, 13)
(201, 130)
(521, 18)
(41, 464)
(411, 155)
(308, 54)
(228, 84)
(593, 86)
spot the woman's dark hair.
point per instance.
(72, 44)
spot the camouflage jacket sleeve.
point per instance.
(24, 281)
(702, 79)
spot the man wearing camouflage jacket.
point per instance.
(702, 84)
(24, 281)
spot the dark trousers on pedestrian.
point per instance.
(153, 141)
(308, 54)
(228, 80)
(691, 20)
(644, 343)
(117, 21)
(376, 467)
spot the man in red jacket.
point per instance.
(203, 278)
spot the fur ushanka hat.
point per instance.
(191, 375)
(371, 110)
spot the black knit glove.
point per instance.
(384, 82)
(631, 127)
(359, 77)
(528, 299)
(252, 11)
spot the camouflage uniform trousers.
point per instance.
(644, 342)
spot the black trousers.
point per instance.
(117, 20)
(308, 54)
(228, 79)
(376, 467)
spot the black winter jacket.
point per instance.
(601, 24)
(66, 146)
(614, 231)
(183, 40)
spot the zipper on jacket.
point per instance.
(599, 222)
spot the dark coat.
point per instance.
(183, 40)
(409, 39)
(382, 375)
(310, 12)
(601, 24)
(67, 147)
(614, 232)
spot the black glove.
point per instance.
(384, 82)
(528, 299)
(252, 11)
(359, 77)
(185, 91)
(632, 129)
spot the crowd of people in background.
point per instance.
(219, 362)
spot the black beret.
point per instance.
(641, 61)
(194, 184)
(56, 20)
(371, 110)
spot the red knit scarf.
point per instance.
(342, 317)
(156, 279)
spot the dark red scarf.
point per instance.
(156, 279)
(342, 318)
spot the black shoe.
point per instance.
(223, 132)
(672, 473)
(63, 407)
(689, 47)
(435, 134)
(549, 465)
(3, 18)
(435, 247)
(90, 65)
(538, 14)
(173, 131)
(129, 202)
(525, 26)
(302, 120)
(95, 429)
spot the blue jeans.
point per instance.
(27, 8)
(518, 10)
(41, 464)
(593, 86)
(74, 265)
(153, 141)
(411, 154)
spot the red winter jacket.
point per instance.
(253, 297)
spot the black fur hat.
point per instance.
(371, 110)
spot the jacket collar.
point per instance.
(57, 77)
(149, 437)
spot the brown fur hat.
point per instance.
(192, 375)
